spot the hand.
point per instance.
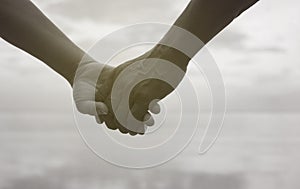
(91, 77)
(84, 87)
(143, 96)
(93, 91)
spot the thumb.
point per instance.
(92, 108)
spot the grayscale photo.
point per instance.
(160, 94)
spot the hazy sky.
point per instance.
(257, 54)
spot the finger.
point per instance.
(98, 120)
(154, 107)
(134, 122)
(133, 133)
(103, 85)
(128, 127)
(91, 107)
(139, 111)
(142, 130)
(109, 122)
(123, 130)
(148, 120)
(112, 123)
(138, 129)
(101, 108)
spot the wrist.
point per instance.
(71, 65)
(70, 72)
(170, 54)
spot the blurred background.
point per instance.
(258, 55)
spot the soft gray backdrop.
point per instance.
(258, 55)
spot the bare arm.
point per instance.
(203, 18)
(25, 26)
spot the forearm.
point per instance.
(204, 19)
(25, 26)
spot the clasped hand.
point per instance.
(102, 91)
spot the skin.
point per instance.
(30, 30)
(203, 18)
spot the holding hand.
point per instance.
(96, 98)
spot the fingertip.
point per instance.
(110, 123)
(142, 130)
(98, 120)
(148, 120)
(86, 107)
(123, 130)
(154, 107)
(101, 108)
(132, 133)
